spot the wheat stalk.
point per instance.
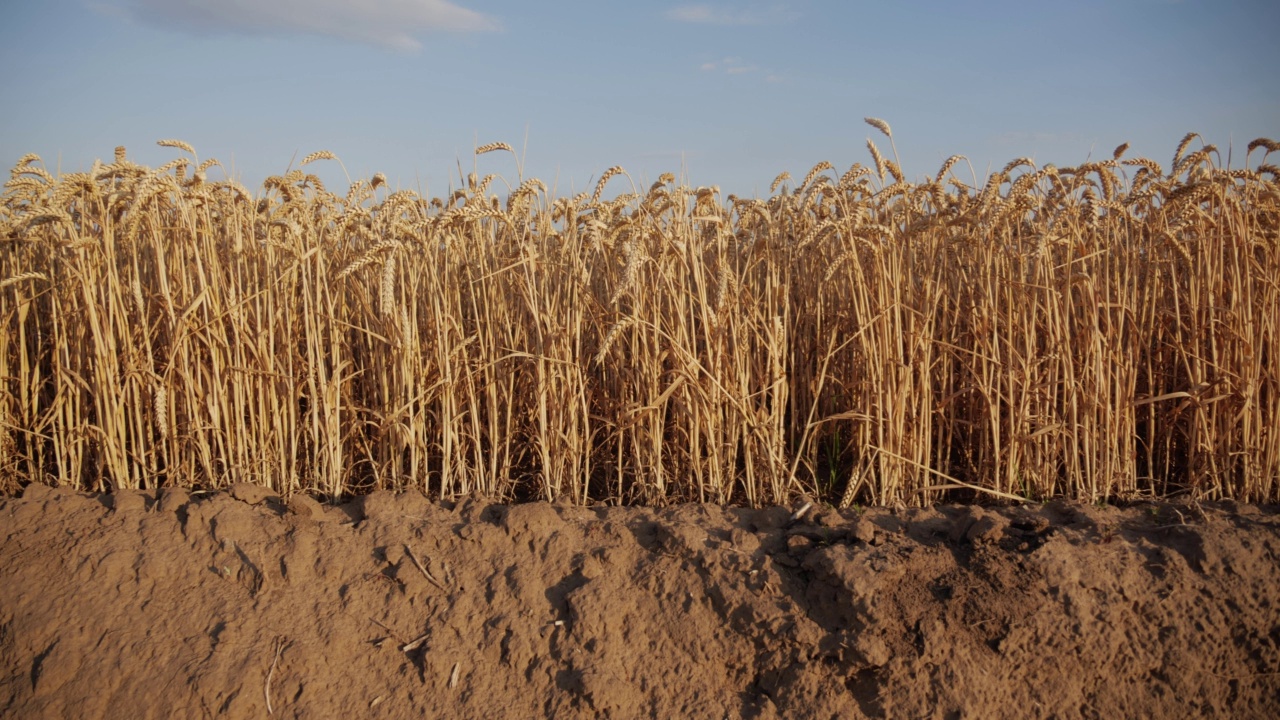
(317, 155)
(492, 147)
(631, 271)
(164, 143)
(604, 179)
(819, 168)
(611, 337)
(880, 125)
(160, 409)
(845, 342)
(877, 159)
(387, 294)
(1182, 147)
(23, 277)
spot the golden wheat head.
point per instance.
(177, 144)
(493, 147)
(318, 155)
(880, 125)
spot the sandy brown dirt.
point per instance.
(137, 606)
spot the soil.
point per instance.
(239, 604)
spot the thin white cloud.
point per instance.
(393, 24)
(731, 66)
(707, 14)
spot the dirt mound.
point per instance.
(136, 605)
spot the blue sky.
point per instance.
(728, 93)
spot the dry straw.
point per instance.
(1051, 332)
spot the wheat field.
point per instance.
(1104, 332)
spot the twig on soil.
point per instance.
(800, 513)
(453, 676)
(280, 646)
(423, 568)
(394, 634)
(415, 644)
